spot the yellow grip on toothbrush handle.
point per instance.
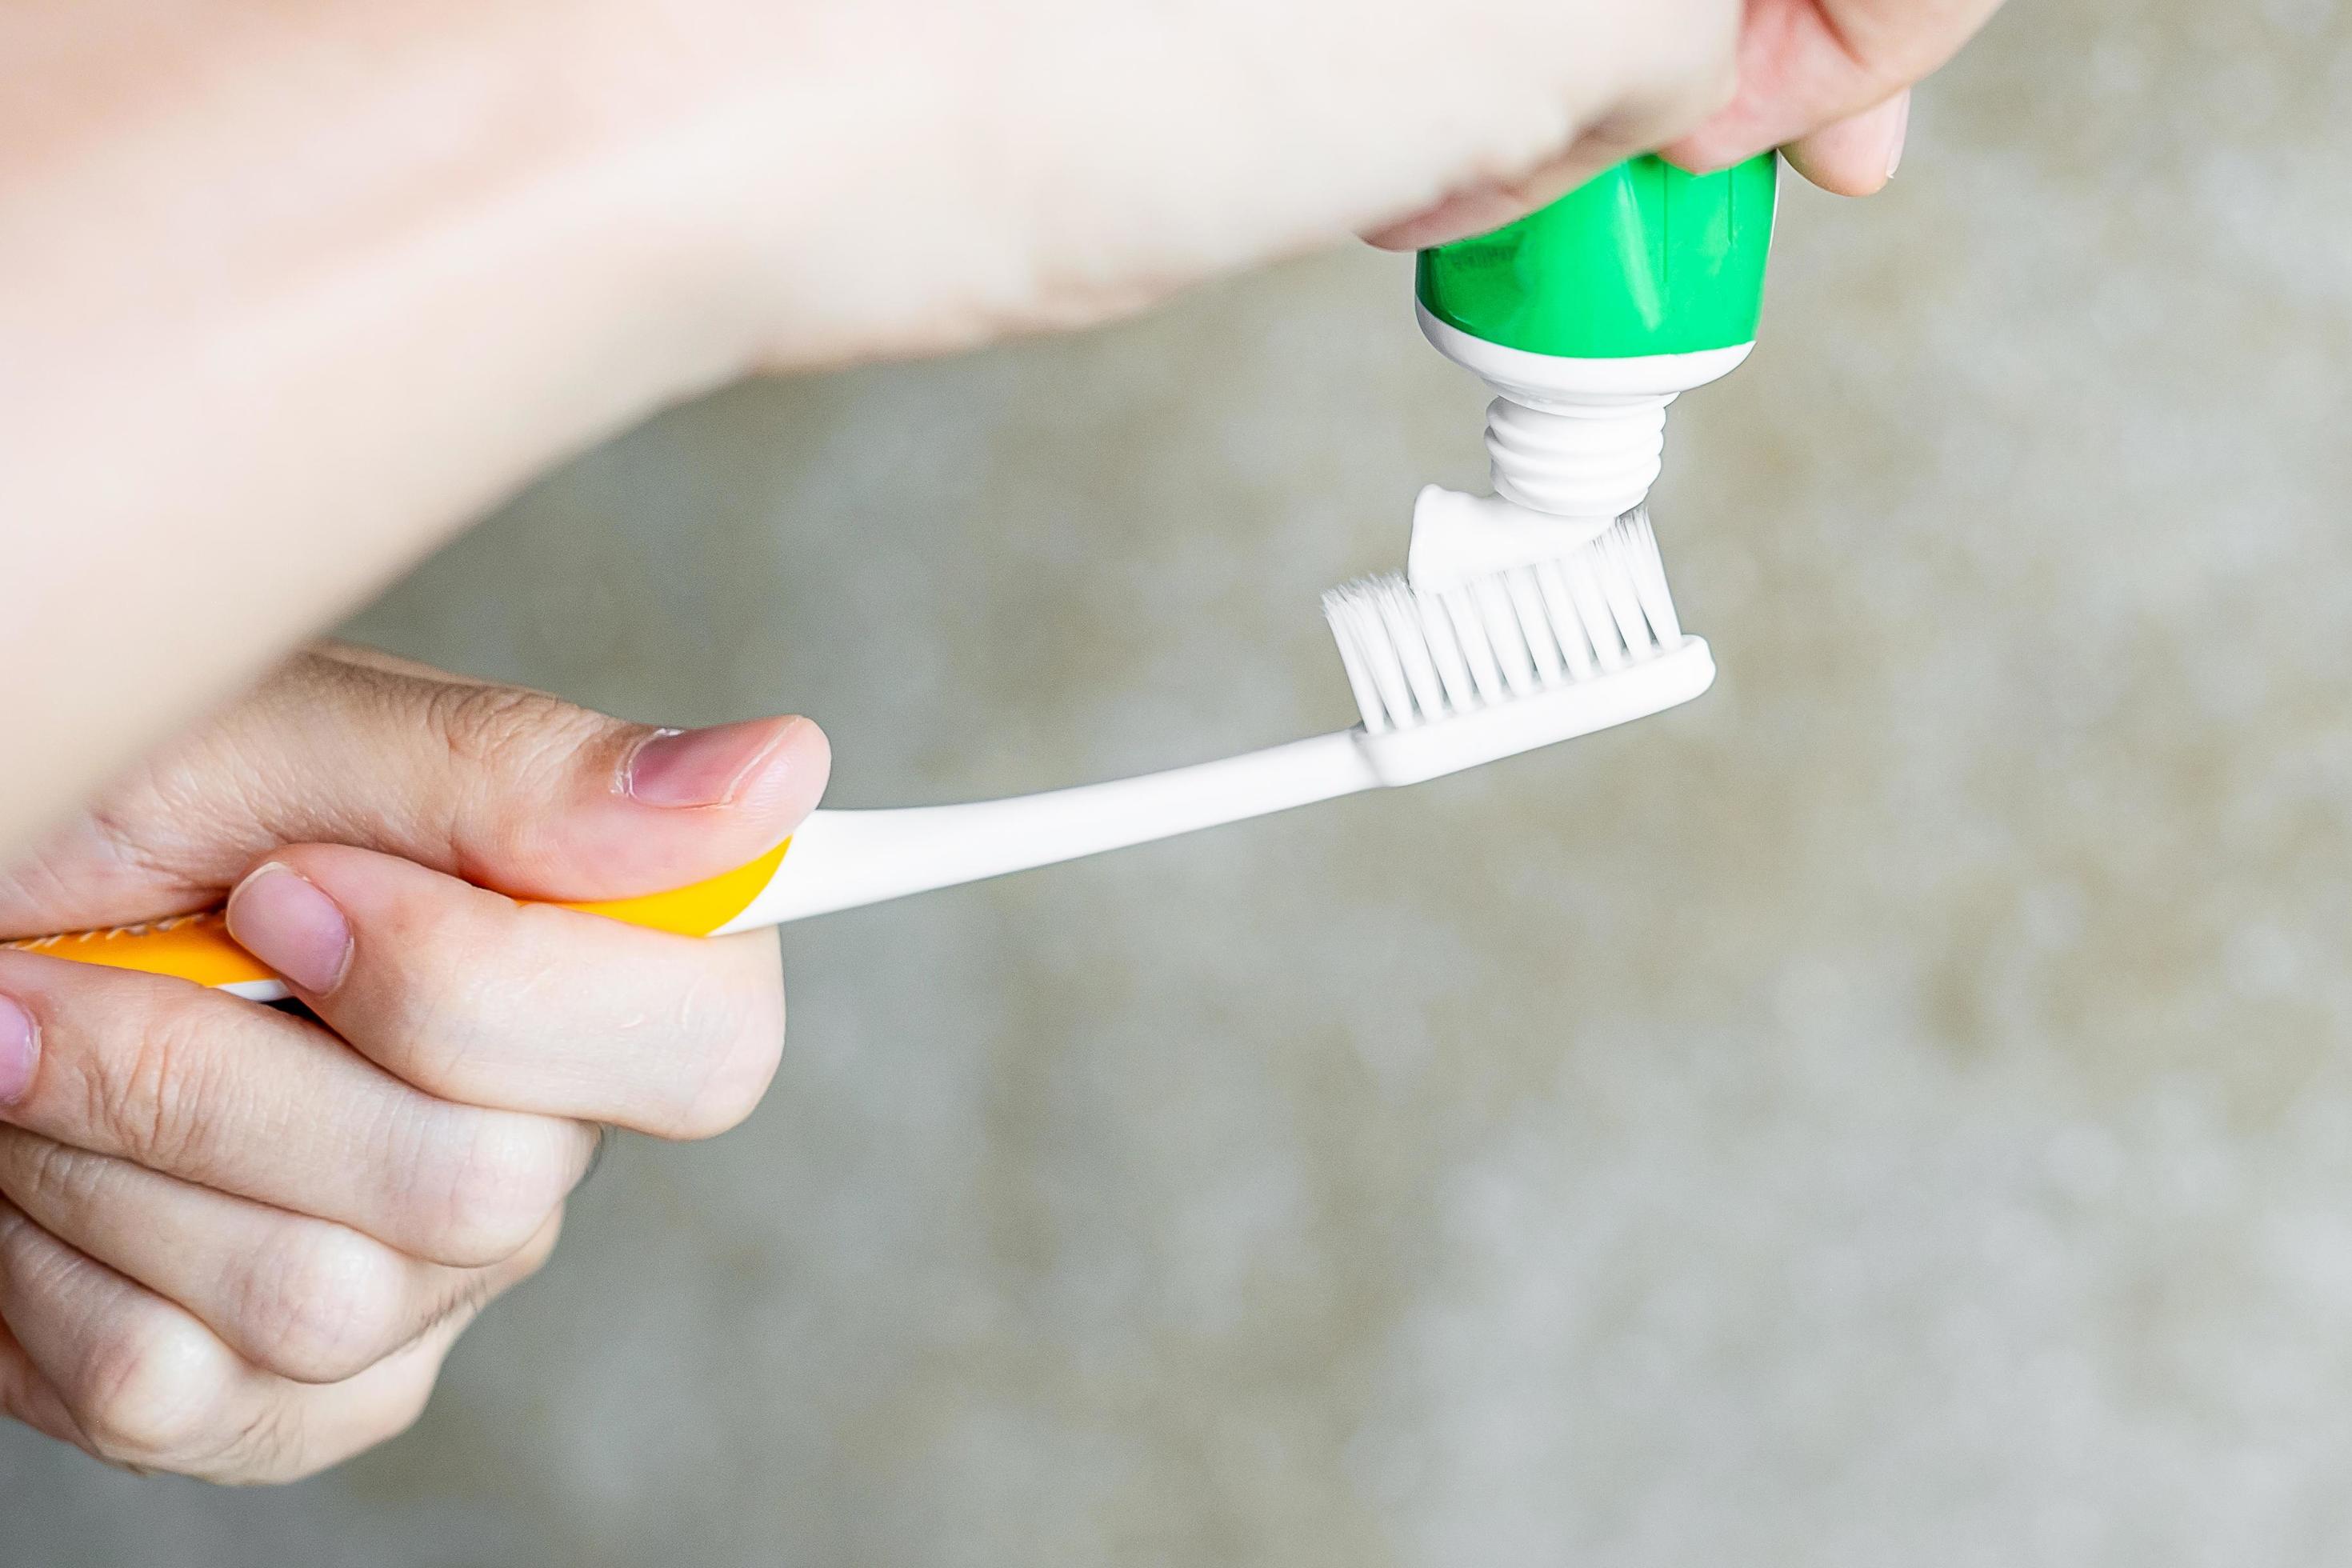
(199, 948)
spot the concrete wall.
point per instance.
(1894, 1110)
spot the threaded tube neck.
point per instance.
(1594, 458)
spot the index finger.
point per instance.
(473, 997)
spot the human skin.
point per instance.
(236, 1243)
(296, 287)
(1828, 81)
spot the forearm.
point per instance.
(262, 341)
(293, 289)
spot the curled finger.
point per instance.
(148, 1387)
(473, 997)
(306, 1298)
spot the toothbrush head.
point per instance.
(1454, 674)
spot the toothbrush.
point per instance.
(1529, 617)
(1444, 681)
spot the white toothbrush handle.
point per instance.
(840, 860)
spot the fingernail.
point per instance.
(20, 1047)
(702, 767)
(282, 919)
(1901, 134)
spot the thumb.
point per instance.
(1857, 155)
(508, 788)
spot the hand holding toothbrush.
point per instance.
(237, 1243)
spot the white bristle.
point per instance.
(1414, 658)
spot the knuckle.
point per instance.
(145, 1392)
(509, 1171)
(51, 1178)
(270, 1448)
(155, 1098)
(35, 1264)
(528, 741)
(322, 1304)
(493, 724)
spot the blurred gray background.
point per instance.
(1895, 1109)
